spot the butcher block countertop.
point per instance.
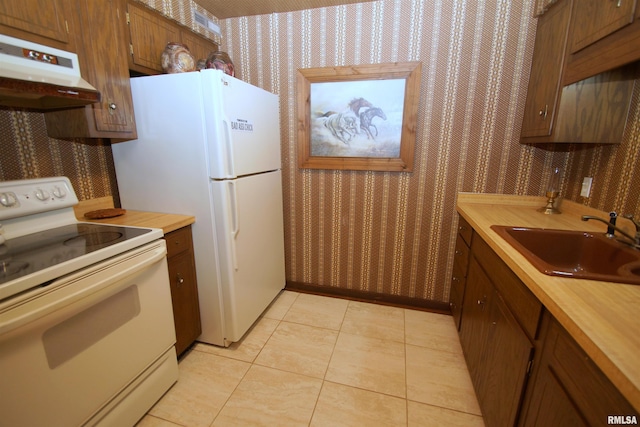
(602, 317)
(166, 222)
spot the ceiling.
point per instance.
(223, 9)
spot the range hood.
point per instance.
(42, 78)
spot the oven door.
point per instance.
(70, 349)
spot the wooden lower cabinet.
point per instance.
(496, 349)
(184, 287)
(460, 266)
(504, 332)
(567, 388)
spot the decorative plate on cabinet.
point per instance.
(221, 61)
(176, 58)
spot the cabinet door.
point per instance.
(103, 63)
(546, 70)
(596, 19)
(184, 296)
(458, 278)
(150, 32)
(456, 297)
(104, 44)
(551, 406)
(504, 366)
(567, 388)
(42, 18)
(496, 349)
(474, 325)
(200, 47)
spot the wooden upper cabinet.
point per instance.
(150, 32)
(103, 62)
(593, 110)
(605, 36)
(596, 19)
(39, 21)
(105, 50)
(546, 70)
(199, 46)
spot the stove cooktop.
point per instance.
(43, 241)
(28, 254)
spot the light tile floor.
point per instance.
(317, 361)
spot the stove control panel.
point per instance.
(32, 196)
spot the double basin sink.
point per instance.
(576, 254)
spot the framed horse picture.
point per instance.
(358, 117)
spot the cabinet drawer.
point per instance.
(464, 230)
(178, 241)
(525, 307)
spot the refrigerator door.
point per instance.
(250, 237)
(165, 170)
(245, 136)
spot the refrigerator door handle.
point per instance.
(229, 148)
(235, 225)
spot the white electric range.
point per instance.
(86, 323)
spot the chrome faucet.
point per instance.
(611, 227)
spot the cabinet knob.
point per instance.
(179, 279)
(543, 113)
(112, 106)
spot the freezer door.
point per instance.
(245, 137)
(250, 235)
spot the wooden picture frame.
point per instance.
(358, 117)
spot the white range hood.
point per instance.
(40, 77)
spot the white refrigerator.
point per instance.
(209, 146)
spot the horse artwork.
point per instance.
(356, 119)
(366, 119)
(342, 127)
(356, 104)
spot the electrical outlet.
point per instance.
(586, 187)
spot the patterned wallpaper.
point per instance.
(27, 152)
(391, 233)
(394, 233)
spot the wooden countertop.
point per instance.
(164, 221)
(601, 316)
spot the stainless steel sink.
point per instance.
(575, 254)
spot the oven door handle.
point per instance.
(71, 297)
